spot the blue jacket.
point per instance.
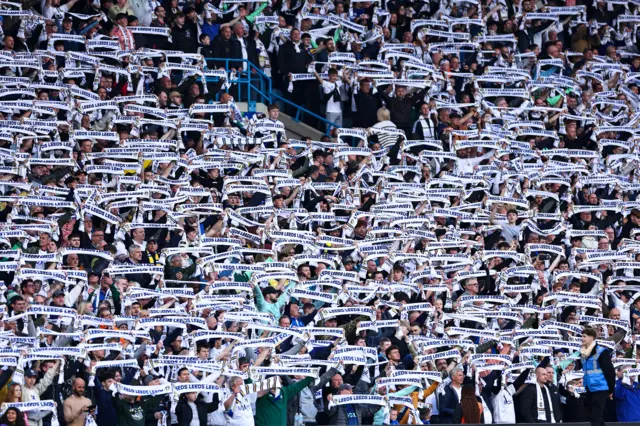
(106, 412)
(627, 402)
(447, 404)
(594, 378)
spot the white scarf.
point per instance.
(541, 413)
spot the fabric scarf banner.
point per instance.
(181, 388)
(426, 375)
(334, 312)
(438, 355)
(283, 371)
(404, 381)
(358, 399)
(45, 405)
(143, 390)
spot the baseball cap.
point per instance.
(58, 293)
(269, 290)
(345, 386)
(148, 379)
(29, 373)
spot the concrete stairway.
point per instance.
(295, 129)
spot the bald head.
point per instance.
(78, 387)
(541, 375)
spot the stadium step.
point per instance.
(295, 129)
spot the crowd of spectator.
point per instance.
(461, 247)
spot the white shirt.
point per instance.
(428, 127)
(195, 420)
(332, 106)
(503, 408)
(244, 52)
(488, 416)
(241, 407)
(54, 12)
(466, 165)
(458, 392)
(433, 400)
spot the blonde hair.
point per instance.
(383, 114)
(82, 307)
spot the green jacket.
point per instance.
(139, 413)
(129, 414)
(271, 411)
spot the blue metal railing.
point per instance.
(255, 86)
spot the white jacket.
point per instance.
(33, 394)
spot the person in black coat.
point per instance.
(449, 402)
(367, 105)
(225, 47)
(247, 44)
(205, 49)
(528, 402)
(401, 105)
(183, 36)
(574, 410)
(184, 408)
(294, 58)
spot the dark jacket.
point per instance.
(338, 413)
(401, 108)
(185, 414)
(367, 106)
(529, 404)
(252, 50)
(290, 61)
(136, 413)
(184, 39)
(448, 403)
(294, 403)
(574, 410)
(106, 408)
(143, 279)
(226, 49)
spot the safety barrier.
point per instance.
(255, 86)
